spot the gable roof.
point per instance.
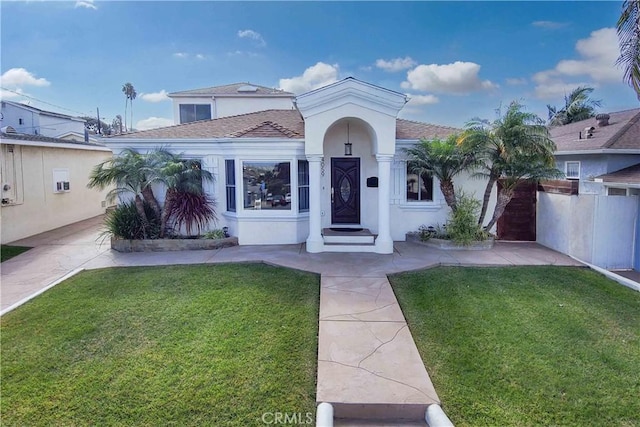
(270, 124)
(234, 89)
(630, 175)
(623, 132)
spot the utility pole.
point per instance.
(98, 112)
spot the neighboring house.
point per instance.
(598, 220)
(44, 183)
(29, 120)
(229, 100)
(335, 161)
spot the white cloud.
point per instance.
(516, 81)
(549, 25)
(180, 54)
(155, 96)
(5, 94)
(397, 64)
(88, 4)
(200, 56)
(153, 122)
(253, 35)
(456, 78)
(422, 99)
(313, 77)
(598, 54)
(16, 77)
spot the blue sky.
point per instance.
(457, 60)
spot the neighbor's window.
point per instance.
(230, 174)
(194, 112)
(303, 186)
(419, 186)
(572, 170)
(613, 191)
(266, 185)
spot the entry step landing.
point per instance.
(368, 365)
(358, 236)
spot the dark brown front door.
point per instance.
(345, 190)
(519, 219)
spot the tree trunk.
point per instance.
(143, 215)
(166, 210)
(150, 198)
(125, 114)
(449, 194)
(504, 197)
(487, 196)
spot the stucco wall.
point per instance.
(234, 106)
(42, 209)
(600, 230)
(593, 165)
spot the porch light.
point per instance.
(348, 145)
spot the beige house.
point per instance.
(44, 183)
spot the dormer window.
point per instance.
(194, 112)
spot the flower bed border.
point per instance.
(450, 245)
(167, 245)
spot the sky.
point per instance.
(456, 60)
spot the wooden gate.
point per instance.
(519, 219)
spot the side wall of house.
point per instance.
(234, 106)
(40, 206)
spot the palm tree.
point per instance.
(129, 172)
(628, 28)
(524, 167)
(500, 145)
(577, 106)
(443, 159)
(130, 94)
(183, 180)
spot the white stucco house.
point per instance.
(597, 219)
(28, 120)
(313, 172)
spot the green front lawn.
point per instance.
(181, 345)
(8, 252)
(527, 345)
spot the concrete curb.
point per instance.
(611, 275)
(46, 288)
(324, 415)
(435, 417)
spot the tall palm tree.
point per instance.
(498, 145)
(443, 159)
(628, 28)
(130, 94)
(129, 172)
(577, 106)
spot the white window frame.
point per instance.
(626, 191)
(61, 180)
(566, 169)
(293, 183)
(429, 205)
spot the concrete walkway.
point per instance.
(368, 364)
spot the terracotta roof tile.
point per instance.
(271, 124)
(623, 132)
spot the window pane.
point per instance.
(266, 185)
(572, 169)
(303, 172)
(187, 113)
(203, 111)
(419, 187)
(303, 186)
(229, 166)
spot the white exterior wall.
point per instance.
(222, 106)
(233, 106)
(56, 126)
(39, 208)
(600, 230)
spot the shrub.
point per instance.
(124, 222)
(191, 209)
(462, 226)
(214, 234)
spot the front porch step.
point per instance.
(359, 237)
